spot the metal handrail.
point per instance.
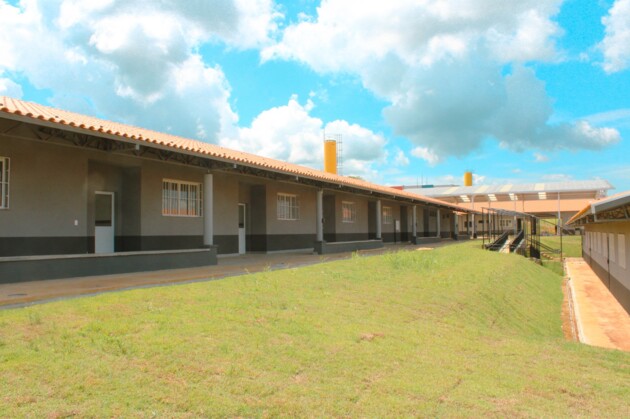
(517, 241)
(499, 242)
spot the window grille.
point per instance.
(288, 207)
(621, 245)
(4, 182)
(183, 199)
(348, 212)
(388, 215)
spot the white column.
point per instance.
(320, 215)
(414, 221)
(474, 225)
(378, 220)
(439, 220)
(559, 215)
(208, 219)
(515, 223)
(455, 224)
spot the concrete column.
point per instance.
(208, 219)
(439, 220)
(320, 215)
(379, 220)
(414, 222)
(455, 225)
(559, 216)
(515, 231)
(474, 225)
(468, 224)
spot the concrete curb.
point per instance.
(574, 308)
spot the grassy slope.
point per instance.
(571, 245)
(454, 331)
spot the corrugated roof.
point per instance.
(37, 112)
(567, 186)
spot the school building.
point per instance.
(85, 196)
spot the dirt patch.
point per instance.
(569, 326)
(371, 336)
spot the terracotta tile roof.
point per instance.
(187, 146)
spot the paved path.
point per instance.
(24, 293)
(600, 319)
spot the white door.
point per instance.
(104, 222)
(241, 229)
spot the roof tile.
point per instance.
(58, 116)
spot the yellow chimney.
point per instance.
(468, 179)
(330, 156)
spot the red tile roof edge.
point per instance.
(38, 112)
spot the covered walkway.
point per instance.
(601, 320)
(25, 293)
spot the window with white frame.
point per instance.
(288, 207)
(181, 199)
(348, 212)
(4, 182)
(388, 215)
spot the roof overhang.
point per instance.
(137, 137)
(612, 209)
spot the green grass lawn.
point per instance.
(571, 245)
(456, 331)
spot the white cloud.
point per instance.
(557, 177)
(616, 42)
(532, 38)
(425, 154)
(348, 34)
(478, 179)
(9, 88)
(285, 132)
(400, 159)
(618, 117)
(359, 143)
(442, 67)
(540, 158)
(290, 133)
(134, 61)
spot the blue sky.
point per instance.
(421, 91)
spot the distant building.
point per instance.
(561, 200)
(606, 243)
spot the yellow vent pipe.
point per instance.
(468, 179)
(330, 156)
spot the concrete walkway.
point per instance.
(25, 293)
(601, 320)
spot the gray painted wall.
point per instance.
(361, 223)
(153, 222)
(48, 189)
(53, 185)
(601, 250)
(307, 200)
